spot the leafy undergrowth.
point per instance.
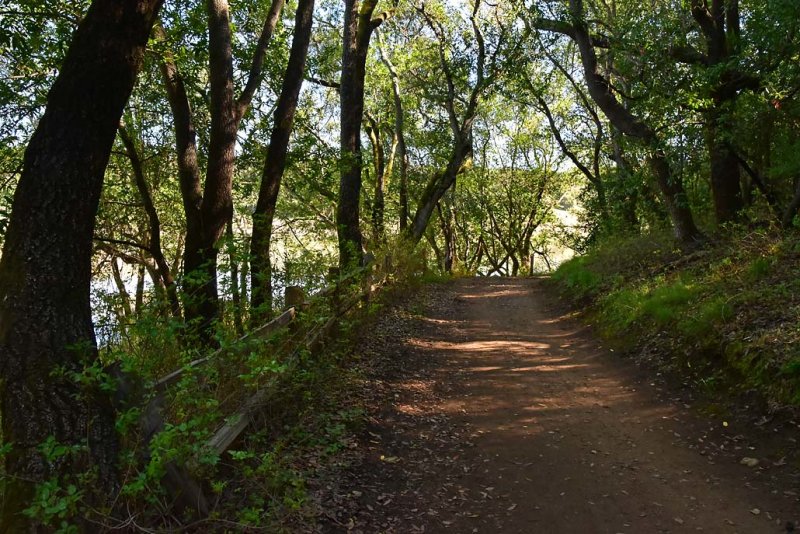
(270, 479)
(726, 315)
(313, 431)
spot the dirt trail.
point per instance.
(507, 416)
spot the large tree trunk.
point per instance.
(274, 166)
(460, 160)
(216, 208)
(188, 172)
(724, 165)
(358, 28)
(208, 208)
(673, 194)
(725, 173)
(45, 270)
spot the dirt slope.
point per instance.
(500, 414)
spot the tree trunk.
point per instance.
(671, 188)
(208, 208)
(712, 19)
(437, 252)
(379, 163)
(274, 166)
(446, 224)
(139, 301)
(725, 175)
(460, 161)
(154, 223)
(358, 28)
(188, 175)
(677, 204)
(236, 297)
(216, 208)
(125, 312)
(400, 136)
(45, 270)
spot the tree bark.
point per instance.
(125, 312)
(400, 136)
(208, 208)
(236, 295)
(216, 208)
(448, 232)
(460, 161)
(726, 188)
(724, 166)
(671, 188)
(275, 165)
(154, 223)
(382, 170)
(45, 269)
(358, 28)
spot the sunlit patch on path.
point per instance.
(535, 428)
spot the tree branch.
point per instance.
(123, 242)
(255, 76)
(688, 55)
(565, 28)
(324, 83)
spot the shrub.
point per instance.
(577, 277)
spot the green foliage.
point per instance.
(621, 308)
(725, 314)
(55, 505)
(576, 276)
(58, 502)
(758, 269)
(701, 322)
(665, 303)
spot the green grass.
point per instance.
(665, 303)
(576, 276)
(726, 314)
(758, 269)
(660, 305)
(701, 323)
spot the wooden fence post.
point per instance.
(294, 297)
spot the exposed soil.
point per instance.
(497, 412)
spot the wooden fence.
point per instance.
(340, 299)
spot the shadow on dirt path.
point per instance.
(504, 415)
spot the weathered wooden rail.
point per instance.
(343, 296)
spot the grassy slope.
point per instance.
(727, 316)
